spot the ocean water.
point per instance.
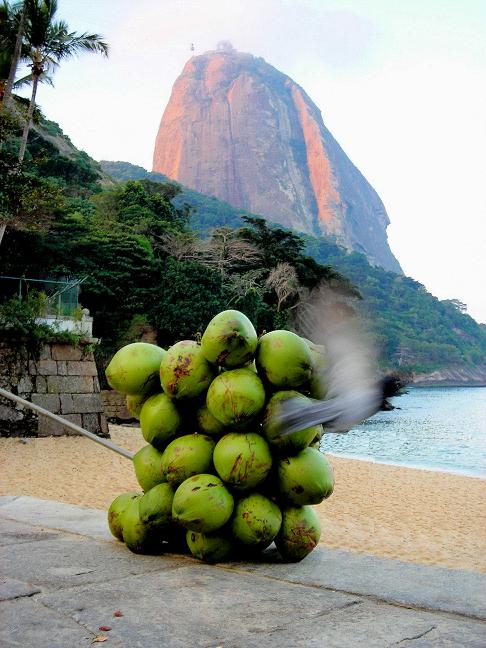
(440, 428)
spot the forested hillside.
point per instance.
(413, 328)
(206, 211)
(161, 260)
(147, 271)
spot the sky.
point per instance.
(401, 86)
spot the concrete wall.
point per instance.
(62, 379)
(84, 326)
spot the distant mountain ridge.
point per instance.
(238, 129)
(412, 327)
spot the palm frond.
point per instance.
(40, 16)
(44, 78)
(65, 44)
(61, 44)
(50, 64)
(89, 42)
(9, 15)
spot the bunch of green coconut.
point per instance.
(218, 477)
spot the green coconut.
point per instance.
(289, 443)
(202, 503)
(210, 547)
(186, 456)
(316, 385)
(134, 369)
(185, 372)
(230, 340)
(155, 507)
(135, 533)
(242, 460)
(147, 464)
(115, 513)
(251, 366)
(283, 359)
(236, 397)
(160, 421)
(207, 423)
(256, 521)
(306, 478)
(299, 534)
(134, 403)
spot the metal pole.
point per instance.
(40, 410)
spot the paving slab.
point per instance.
(26, 623)
(68, 561)
(205, 606)
(64, 584)
(56, 515)
(434, 588)
(197, 605)
(11, 588)
(15, 533)
(371, 625)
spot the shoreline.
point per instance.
(452, 385)
(427, 467)
(415, 515)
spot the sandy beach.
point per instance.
(415, 515)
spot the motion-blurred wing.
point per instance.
(349, 375)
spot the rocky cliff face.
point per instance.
(238, 129)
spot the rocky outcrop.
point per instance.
(452, 377)
(238, 129)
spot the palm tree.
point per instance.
(12, 49)
(28, 31)
(12, 26)
(48, 43)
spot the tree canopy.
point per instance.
(149, 266)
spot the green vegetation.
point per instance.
(30, 32)
(414, 330)
(207, 212)
(147, 270)
(18, 324)
(162, 260)
(28, 201)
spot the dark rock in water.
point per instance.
(392, 385)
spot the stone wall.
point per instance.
(114, 406)
(62, 379)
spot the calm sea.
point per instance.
(440, 428)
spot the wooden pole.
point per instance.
(72, 426)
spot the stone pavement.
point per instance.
(63, 577)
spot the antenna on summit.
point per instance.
(225, 46)
(192, 47)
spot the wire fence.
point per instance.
(60, 297)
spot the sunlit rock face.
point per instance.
(238, 129)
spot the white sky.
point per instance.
(401, 86)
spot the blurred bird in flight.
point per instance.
(349, 377)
